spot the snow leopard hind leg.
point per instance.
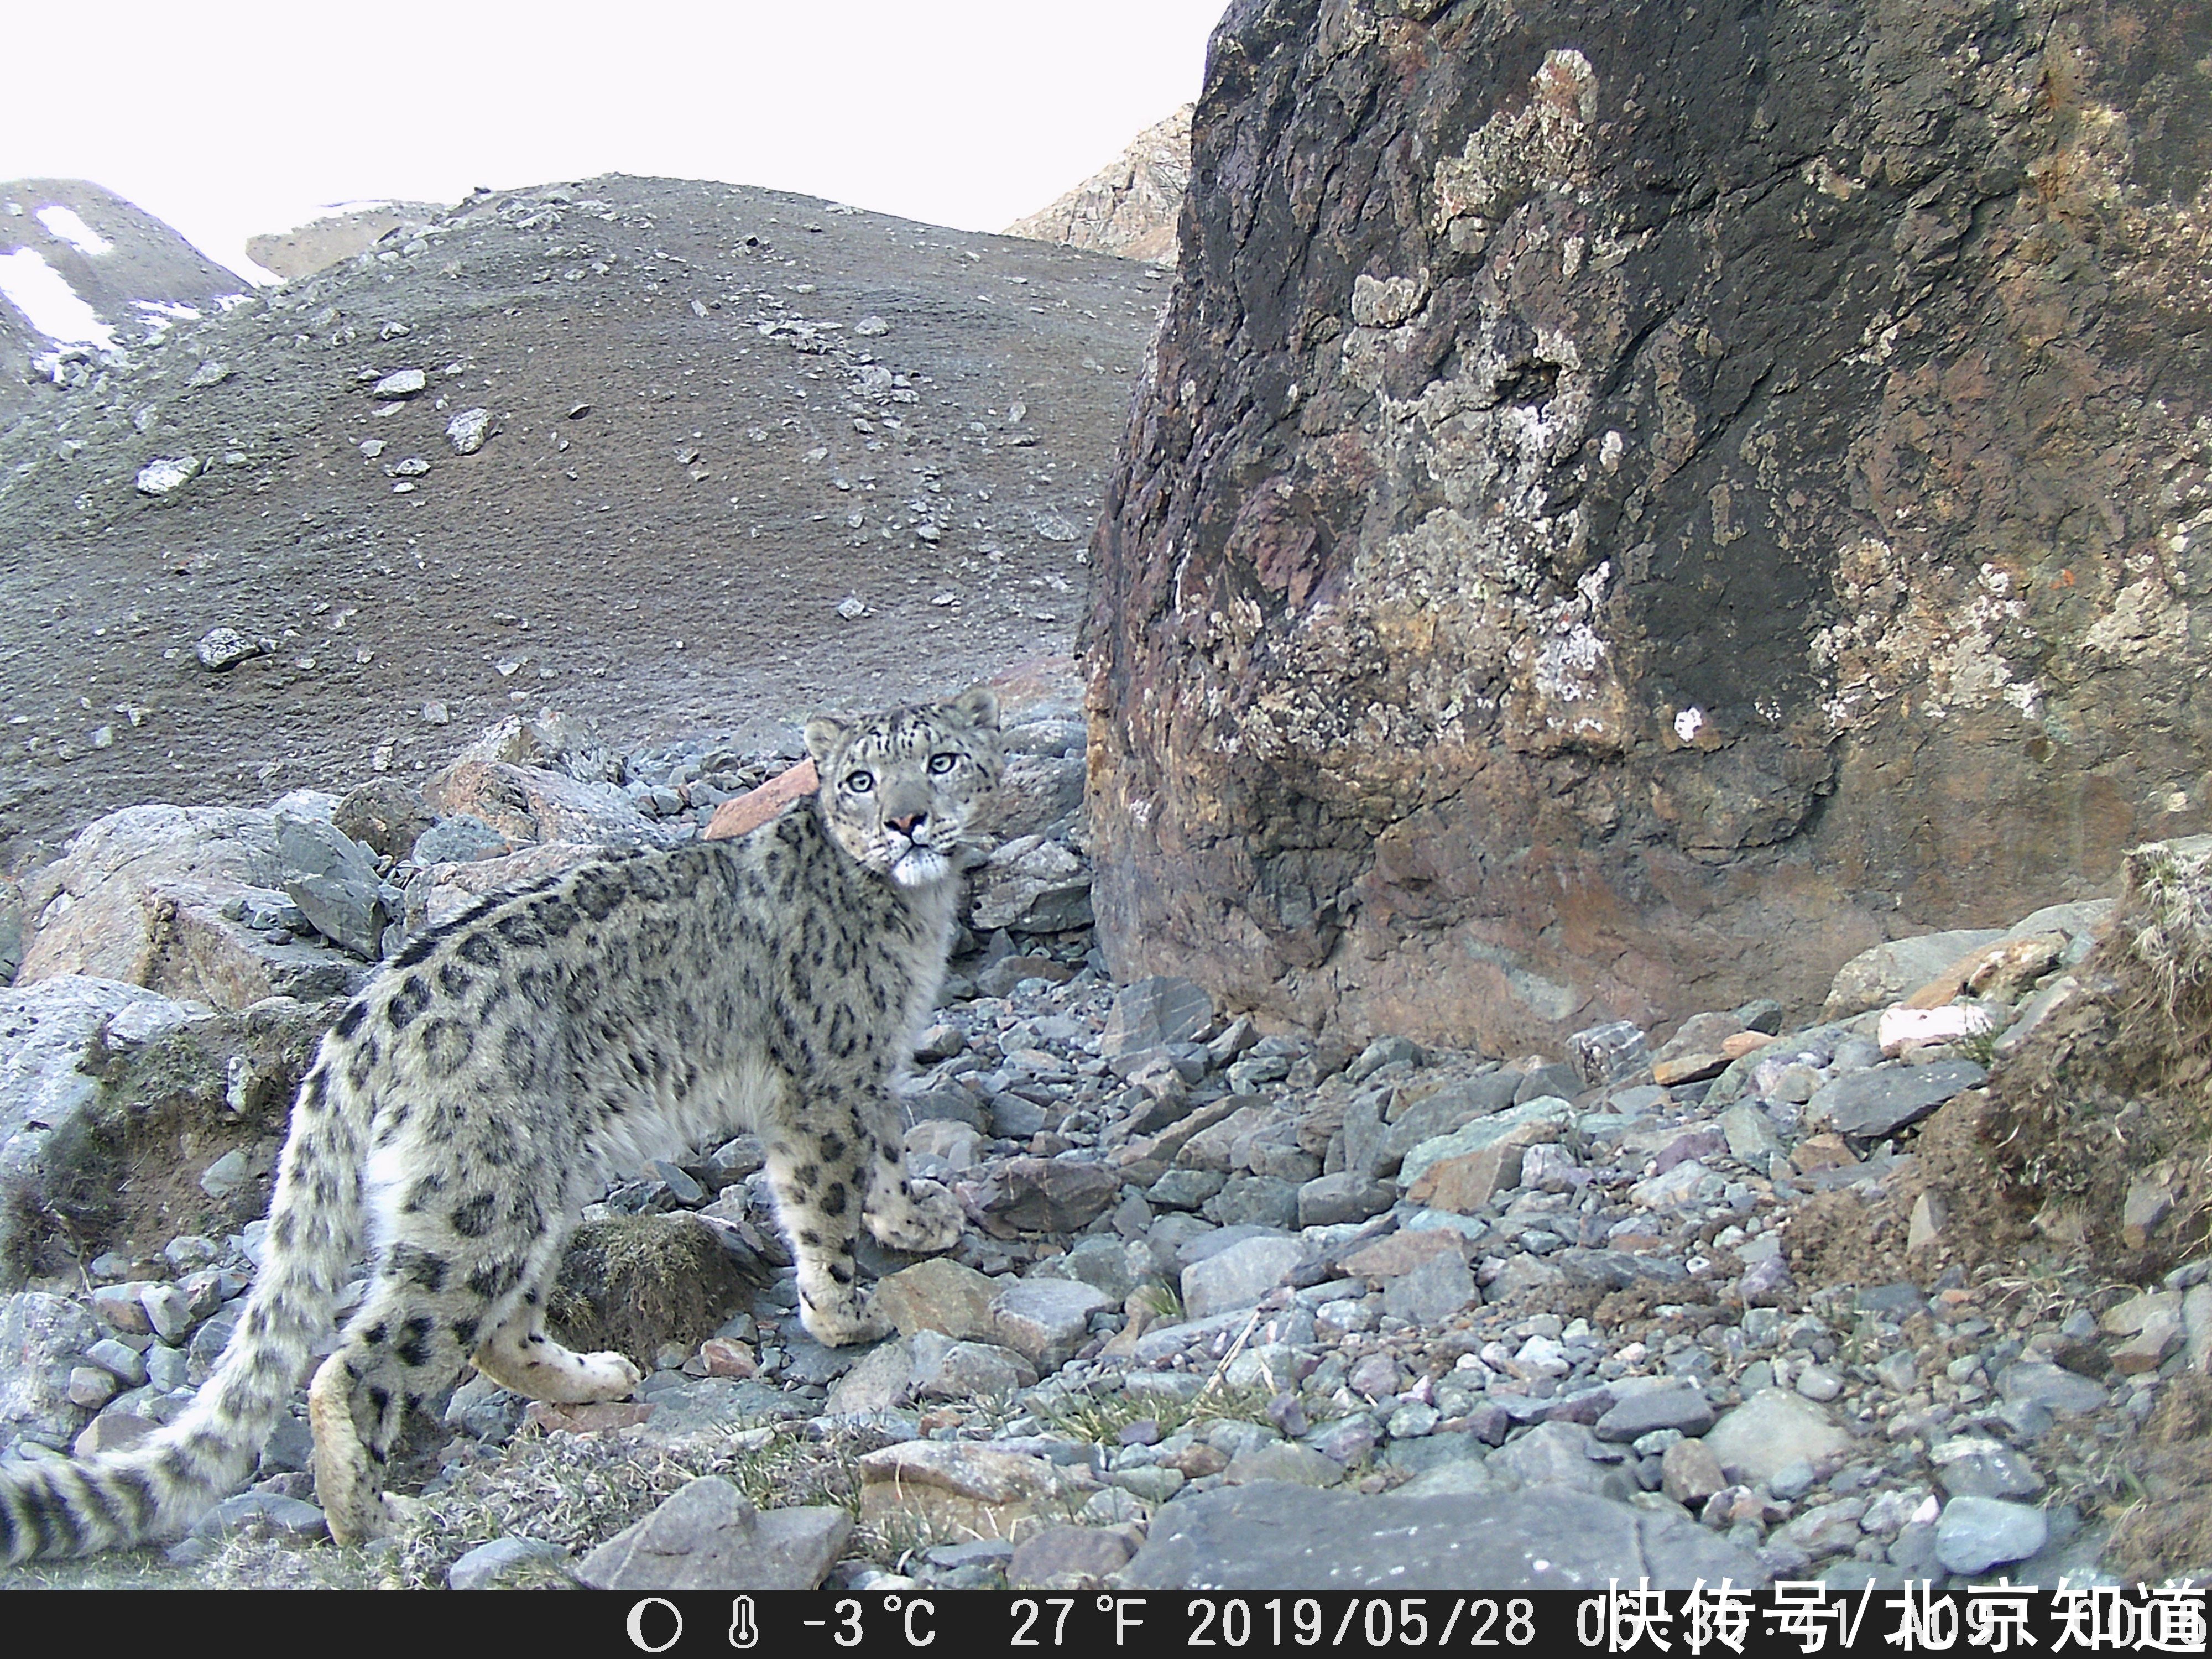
(468, 1283)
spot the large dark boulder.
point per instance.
(1632, 504)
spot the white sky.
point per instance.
(252, 116)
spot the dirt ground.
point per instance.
(702, 448)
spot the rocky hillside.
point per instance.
(1608, 532)
(1131, 208)
(79, 265)
(673, 457)
(1230, 1308)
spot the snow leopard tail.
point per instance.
(157, 1488)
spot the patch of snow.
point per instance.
(169, 308)
(1686, 723)
(64, 223)
(55, 309)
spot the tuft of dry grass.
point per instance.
(574, 1490)
(1101, 1420)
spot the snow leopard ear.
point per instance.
(978, 706)
(823, 734)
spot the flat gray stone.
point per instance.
(706, 1405)
(1977, 1533)
(945, 1370)
(937, 1295)
(1678, 1404)
(1185, 1190)
(1046, 1319)
(41, 1336)
(168, 1311)
(1238, 1276)
(226, 1173)
(1376, 1148)
(1752, 1136)
(208, 1343)
(1066, 1557)
(2051, 1387)
(1382, 1051)
(1773, 1430)
(294, 1517)
(1438, 1288)
(467, 430)
(1971, 1466)
(1453, 1476)
(709, 1536)
(1284, 1461)
(879, 1382)
(482, 1566)
(482, 1410)
(1476, 1135)
(1886, 1098)
(1348, 1195)
(1898, 967)
(1269, 1535)
(460, 838)
(1293, 1325)
(1154, 1012)
(118, 1360)
(1557, 1455)
(332, 879)
(2076, 919)
(167, 472)
(1103, 1262)
(1253, 1201)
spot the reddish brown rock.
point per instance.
(157, 895)
(1688, 1068)
(724, 1357)
(1399, 1253)
(756, 806)
(596, 1418)
(1620, 520)
(1464, 1185)
(1826, 1151)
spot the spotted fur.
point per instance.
(466, 1105)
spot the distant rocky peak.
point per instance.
(1129, 208)
(354, 228)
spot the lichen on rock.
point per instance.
(1614, 524)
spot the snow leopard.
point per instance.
(502, 1067)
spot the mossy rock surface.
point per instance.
(125, 1175)
(631, 1283)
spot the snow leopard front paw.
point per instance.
(925, 1218)
(842, 1322)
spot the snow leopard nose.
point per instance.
(912, 822)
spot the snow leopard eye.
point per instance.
(858, 783)
(943, 764)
